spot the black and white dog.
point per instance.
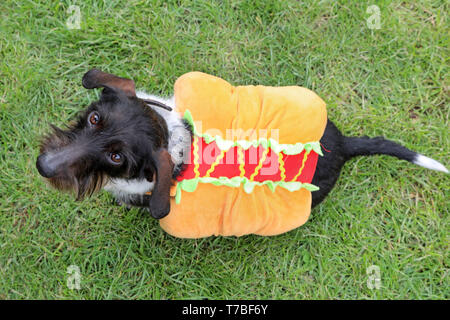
(130, 143)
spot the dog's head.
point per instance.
(118, 136)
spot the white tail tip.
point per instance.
(429, 163)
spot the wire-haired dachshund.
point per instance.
(130, 143)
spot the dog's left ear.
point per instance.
(96, 78)
(160, 199)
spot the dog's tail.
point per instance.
(364, 146)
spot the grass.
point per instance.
(391, 81)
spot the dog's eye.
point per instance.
(116, 158)
(94, 118)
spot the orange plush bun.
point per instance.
(242, 202)
(297, 113)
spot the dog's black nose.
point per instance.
(44, 167)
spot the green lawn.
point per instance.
(391, 81)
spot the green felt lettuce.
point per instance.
(189, 185)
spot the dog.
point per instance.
(132, 143)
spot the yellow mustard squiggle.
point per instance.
(282, 170)
(303, 165)
(196, 157)
(215, 163)
(241, 161)
(260, 164)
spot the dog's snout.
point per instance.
(50, 163)
(45, 167)
(55, 162)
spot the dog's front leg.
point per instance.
(135, 200)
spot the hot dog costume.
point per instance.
(253, 157)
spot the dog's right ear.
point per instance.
(96, 78)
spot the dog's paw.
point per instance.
(145, 211)
(120, 203)
(116, 202)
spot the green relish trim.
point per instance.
(190, 185)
